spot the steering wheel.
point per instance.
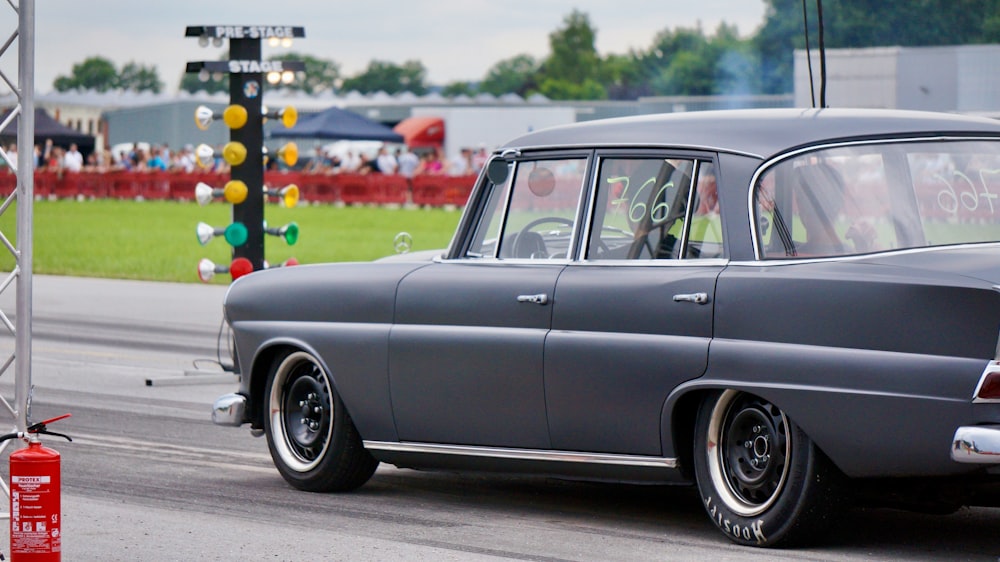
(602, 248)
(534, 246)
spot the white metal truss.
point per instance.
(18, 43)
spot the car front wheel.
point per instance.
(312, 439)
(761, 479)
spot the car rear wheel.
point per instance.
(312, 439)
(761, 479)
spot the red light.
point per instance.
(990, 389)
(290, 261)
(240, 267)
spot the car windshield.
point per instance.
(879, 196)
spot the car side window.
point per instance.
(642, 210)
(533, 215)
(705, 235)
(484, 242)
(832, 203)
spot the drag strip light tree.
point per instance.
(245, 117)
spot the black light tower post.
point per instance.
(246, 89)
(245, 151)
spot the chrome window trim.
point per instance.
(598, 159)
(767, 165)
(490, 260)
(689, 211)
(631, 146)
(512, 176)
(516, 164)
(524, 454)
(688, 262)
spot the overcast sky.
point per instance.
(454, 39)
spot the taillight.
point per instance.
(989, 387)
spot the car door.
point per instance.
(466, 347)
(634, 318)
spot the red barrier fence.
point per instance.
(346, 189)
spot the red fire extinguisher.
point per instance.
(35, 512)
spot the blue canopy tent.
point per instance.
(338, 124)
(46, 128)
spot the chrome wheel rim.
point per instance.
(301, 412)
(749, 447)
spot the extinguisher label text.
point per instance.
(34, 516)
(27, 482)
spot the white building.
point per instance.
(961, 78)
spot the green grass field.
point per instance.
(156, 240)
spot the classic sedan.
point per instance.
(792, 310)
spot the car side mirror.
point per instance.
(497, 171)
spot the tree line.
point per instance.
(679, 61)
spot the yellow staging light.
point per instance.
(289, 116)
(235, 116)
(289, 154)
(290, 195)
(235, 191)
(234, 153)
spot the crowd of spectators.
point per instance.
(400, 160)
(142, 157)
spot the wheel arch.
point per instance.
(683, 411)
(264, 360)
(682, 407)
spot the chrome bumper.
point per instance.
(229, 410)
(976, 445)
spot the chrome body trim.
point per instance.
(524, 454)
(860, 257)
(991, 368)
(229, 409)
(976, 445)
(684, 262)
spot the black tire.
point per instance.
(312, 439)
(762, 480)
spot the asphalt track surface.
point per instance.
(149, 477)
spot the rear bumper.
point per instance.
(976, 445)
(230, 409)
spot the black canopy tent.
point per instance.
(338, 124)
(46, 127)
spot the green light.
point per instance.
(291, 233)
(236, 234)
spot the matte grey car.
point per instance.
(793, 310)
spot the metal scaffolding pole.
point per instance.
(21, 202)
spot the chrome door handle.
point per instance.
(697, 298)
(540, 298)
